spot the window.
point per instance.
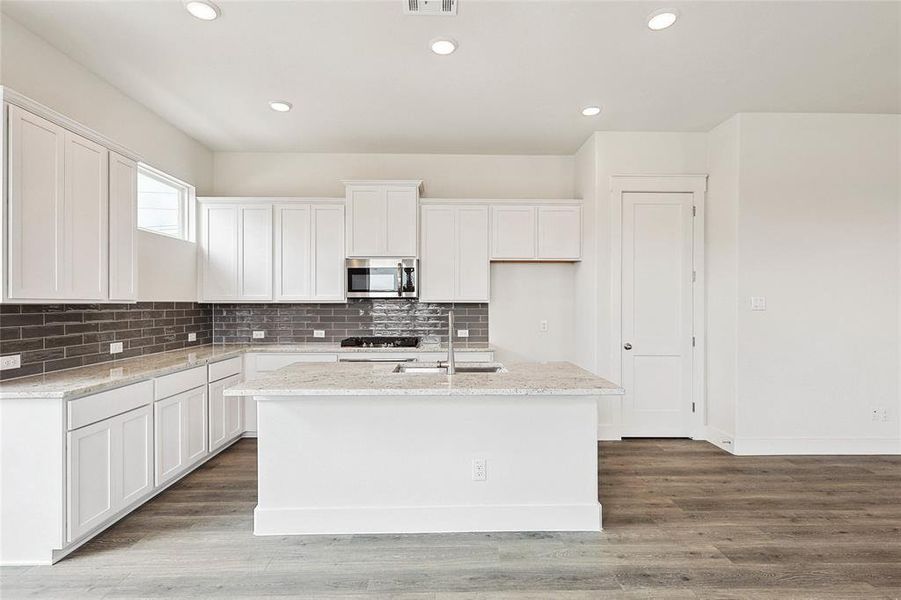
(164, 203)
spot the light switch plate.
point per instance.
(758, 303)
(192, 337)
(462, 333)
(115, 348)
(258, 335)
(319, 333)
(13, 361)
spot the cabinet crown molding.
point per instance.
(417, 183)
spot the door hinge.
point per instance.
(694, 276)
(692, 341)
(692, 407)
(694, 211)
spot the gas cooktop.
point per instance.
(380, 342)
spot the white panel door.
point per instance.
(255, 252)
(473, 268)
(367, 227)
(513, 232)
(136, 457)
(219, 252)
(657, 314)
(91, 477)
(401, 206)
(438, 263)
(86, 219)
(168, 424)
(328, 253)
(36, 209)
(559, 232)
(293, 256)
(123, 196)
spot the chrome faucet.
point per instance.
(451, 367)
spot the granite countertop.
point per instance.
(361, 379)
(82, 381)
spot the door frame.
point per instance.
(696, 185)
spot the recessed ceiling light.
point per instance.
(205, 11)
(663, 18)
(590, 111)
(280, 106)
(443, 46)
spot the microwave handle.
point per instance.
(400, 279)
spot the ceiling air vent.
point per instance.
(441, 8)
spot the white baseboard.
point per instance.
(720, 439)
(249, 434)
(815, 446)
(426, 519)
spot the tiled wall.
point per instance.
(51, 337)
(294, 323)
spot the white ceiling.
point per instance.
(362, 78)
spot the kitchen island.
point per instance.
(362, 448)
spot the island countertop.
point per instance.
(379, 379)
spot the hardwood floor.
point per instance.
(682, 520)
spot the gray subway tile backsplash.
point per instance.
(51, 337)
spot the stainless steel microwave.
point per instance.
(382, 278)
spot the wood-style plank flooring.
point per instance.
(682, 520)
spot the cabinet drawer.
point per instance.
(271, 362)
(90, 409)
(176, 383)
(225, 368)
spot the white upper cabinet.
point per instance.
(454, 260)
(382, 218)
(536, 232)
(309, 252)
(123, 197)
(61, 247)
(235, 251)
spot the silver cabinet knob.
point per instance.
(627, 346)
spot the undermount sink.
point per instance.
(438, 369)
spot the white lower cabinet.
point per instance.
(226, 413)
(109, 468)
(180, 433)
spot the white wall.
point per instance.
(443, 175)
(721, 257)
(36, 69)
(523, 295)
(818, 236)
(585, 278)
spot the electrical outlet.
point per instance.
(115, 348)
(192, 337)
(319, 333)
(758, 303)
(258, 335)
(479, 469)
(462, 333)
(542, 326)
(13, 361)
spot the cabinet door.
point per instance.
(401, 207)
(86, 199)
(217, 414)
(195, 425)
(91, 477)
(293, 252)
(438, 266)
(123, 200)
(328, 253)
(255, 252)
(234, 411)
(513, 232)
(168, 435)
(36, 209)
(473, 267)
(560, 232)
(136, 457)
(367, 226)
(219, 252)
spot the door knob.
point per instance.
(627, 346)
